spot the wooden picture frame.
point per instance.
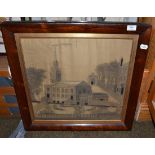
(16, 35)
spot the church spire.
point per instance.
(56, 72)
(55, 55)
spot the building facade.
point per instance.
(68, 93)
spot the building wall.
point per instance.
(66, 93)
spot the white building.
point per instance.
(68, 93)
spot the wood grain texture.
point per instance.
(151, 53)
(151, 99)
(143, 109)
(10, 28)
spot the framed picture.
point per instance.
(76, 76)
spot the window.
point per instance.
(71, 97)
(48, 95)
(122, 90)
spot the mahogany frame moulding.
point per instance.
(9, 29)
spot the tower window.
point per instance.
(92, 83)
(48, 95)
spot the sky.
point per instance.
(77, 58)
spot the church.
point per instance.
(66, 92)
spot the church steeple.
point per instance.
(56, 71)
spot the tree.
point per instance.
(35, 79)
(108, 74)
(101, 70)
